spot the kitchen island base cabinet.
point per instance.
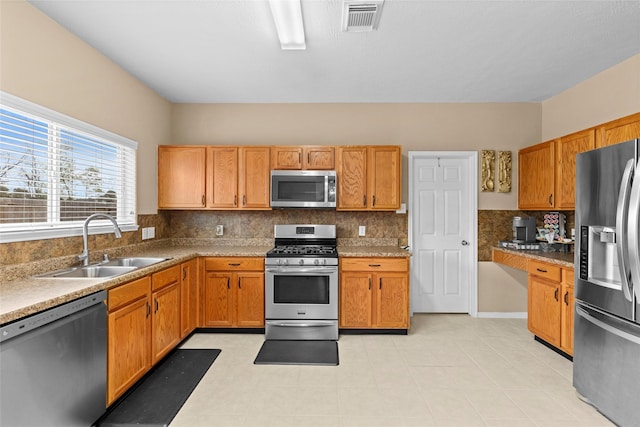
(374, 293)
(143, 326)
(234, 292)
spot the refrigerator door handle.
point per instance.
(607, 327)
(622, 221)
(634, 244)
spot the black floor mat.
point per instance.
(158, 397)
(280, 352)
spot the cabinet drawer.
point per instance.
(129, 292)
(543, 269)
(165, 277)
(234, 263)
(374, 264)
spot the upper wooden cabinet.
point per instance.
(213, 177)
(181, 177)
(618, 131)
(567, 149)
(536, 176)
(546, 171)
(303, 157)
(238, 177)
(368, 177)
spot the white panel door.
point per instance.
(442, 230)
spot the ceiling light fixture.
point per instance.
(287, 14)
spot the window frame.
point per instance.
(48, 230)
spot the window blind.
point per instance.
(55, 170)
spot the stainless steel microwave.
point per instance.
(303, 189)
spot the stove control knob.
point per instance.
(316, 262)
(324, 261)
(301, 262)
(285, 261)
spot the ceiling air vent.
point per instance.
(358, 16)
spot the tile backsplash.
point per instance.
(202, 224)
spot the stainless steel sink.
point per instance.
(90, 271)
(137, 262)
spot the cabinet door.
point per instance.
(181, 177)
(351, 169)
(617, 131)
(250, 299)
(319, 158)
(567, 148)
(189, 297)
(544, 309)
(568, 303)
(254, 178)
(536, 176)
(218, 303)
(222, 176)
(286, 157)
(165, 333)
(392, 300)
(356, 300)
(384, 165)
(129, 334)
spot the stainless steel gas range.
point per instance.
(301, 284)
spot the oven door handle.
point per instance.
(295, 270)
(318, 323)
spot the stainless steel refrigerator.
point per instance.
(606, 360)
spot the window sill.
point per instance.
(23, 236)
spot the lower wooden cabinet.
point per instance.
(143, 326)
(550, 304)
(129, 336)
(189, 296)
(374, 293)
(233, 292)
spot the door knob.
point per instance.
(465, 243)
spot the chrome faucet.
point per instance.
(84, 256)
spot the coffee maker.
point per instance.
(524, 229)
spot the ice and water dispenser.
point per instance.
(599, 256)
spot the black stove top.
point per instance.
(326, 251)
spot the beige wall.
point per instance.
(413, 126)
(44, 63)
(612, 94)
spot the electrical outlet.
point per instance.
(362, 230)
(219, 230)
(148, 233)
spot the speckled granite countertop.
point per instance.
(563, 259)
(28, 295)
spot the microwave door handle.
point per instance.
(634, 243)
(622, 221)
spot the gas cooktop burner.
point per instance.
(302, 250)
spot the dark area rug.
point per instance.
(280, 352)
(158, 397)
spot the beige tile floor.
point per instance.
(451, 370)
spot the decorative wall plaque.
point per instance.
(504, 171)
(488, 160)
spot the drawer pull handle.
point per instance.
(374, 265)
(234, 264)
(541, 270)
(555, 294)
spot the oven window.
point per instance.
(301, 289)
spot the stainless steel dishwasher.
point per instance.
(53, 365)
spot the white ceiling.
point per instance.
(218, 51)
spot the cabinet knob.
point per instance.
(464, 243)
